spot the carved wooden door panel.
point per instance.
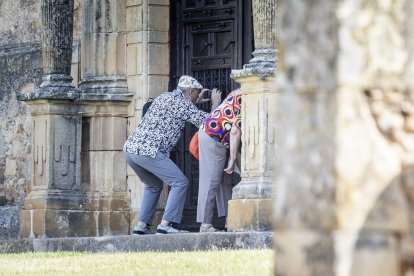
(209, 38)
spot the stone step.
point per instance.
(163, 243)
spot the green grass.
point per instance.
(240, 262)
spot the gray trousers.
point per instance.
(153, 172)
(212, 188)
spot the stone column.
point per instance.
(50, 209)
(57, 26)
(103, 69)
(105, 109)
(251, 204)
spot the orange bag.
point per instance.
(194, 146)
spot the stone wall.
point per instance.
(20, 72)
(19, 22)
(143, 43)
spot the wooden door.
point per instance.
(208, 38)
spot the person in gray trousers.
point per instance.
(220, 132)
(148, 148)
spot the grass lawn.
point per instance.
(240, 262)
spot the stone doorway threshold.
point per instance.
(163, 243)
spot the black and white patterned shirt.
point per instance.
(160, 128)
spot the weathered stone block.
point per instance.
(16, 246)
(107, 133)
(108, 171)
(32, 223)
(134, 2)
(155, 12)
(54, 199)
(121, 54)
(136, 188)
(132, 59)
(131, 110)
(57, 223)
(157, 85)
(113, 223)
(9, 222)
(110, 16)
(158, 54)
(134, 18)
(106, 201)
(56, 146)
(141, 57)
(136, 86)
(133, 122)
(62, 223)
(134, 37)
(104, 61)
(158, 37)
(250, 215)
(159, 2)
(25, 224)
(38, 223)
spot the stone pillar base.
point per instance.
(250, 215)
(49, 223)
(53, 214)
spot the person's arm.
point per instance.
(196, 116)
(235, 137)
(215, 99)
(192, 114)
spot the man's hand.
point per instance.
(200, 98)
(215, 98)
(230, 166)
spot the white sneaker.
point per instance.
(138, 230)
(208, 228)
(169, 230)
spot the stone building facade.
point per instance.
(64, 174)
(332, 131)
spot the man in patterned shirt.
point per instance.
(148, 148)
